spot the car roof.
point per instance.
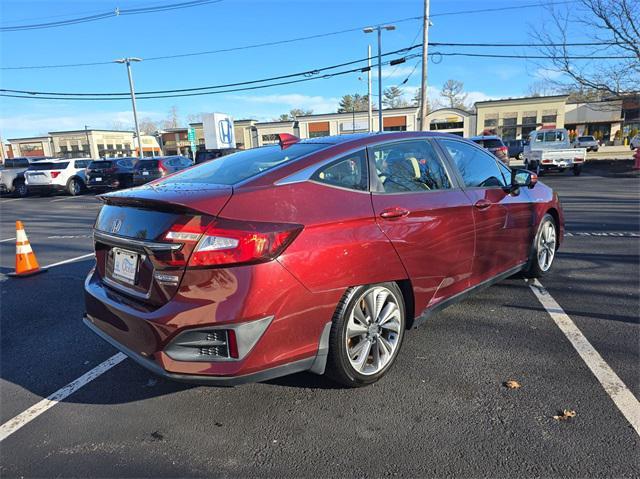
(368, 138)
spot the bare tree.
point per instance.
(613, 24)
(148, 126)
(173, 120)
(453, 94)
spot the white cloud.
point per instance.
(276, 103)
(30, 124)
(547, 74)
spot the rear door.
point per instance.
(429, 220)
(502, 220)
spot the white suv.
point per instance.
(57, 175)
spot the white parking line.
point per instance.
(12, 425)
(71, 260)
(9, 201)
(612, 384)
(65, 198)
(8, 239)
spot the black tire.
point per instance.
(339, 367)
(20, 190)
(577, 169)
(75, 186)
(539, 170)
(533, 268)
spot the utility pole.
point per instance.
(369, 99)
(379, 29)
(425, 64)
(128, 61)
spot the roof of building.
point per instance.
(524, 98)
(89, 131)
(29, 138)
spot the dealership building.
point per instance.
(611, 121)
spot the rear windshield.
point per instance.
(100, 165)
(48, 166)
(146, 164)
(232, 169)
(586, 138)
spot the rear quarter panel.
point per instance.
(341, 244)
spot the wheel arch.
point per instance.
(409, 301)
(556, 219)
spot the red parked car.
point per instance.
(310, 255)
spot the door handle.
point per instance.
(393, 213)
(483, 204)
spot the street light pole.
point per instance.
(128, 61)
(379, 29)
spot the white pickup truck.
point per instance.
(551, 150)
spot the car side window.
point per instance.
(409, 166)
(477, 167)
(348, 172)
(82, 163)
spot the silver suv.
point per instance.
(589, 142)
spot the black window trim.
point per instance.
(455, 168)
(339, 159)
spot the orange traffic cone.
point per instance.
(26, 262)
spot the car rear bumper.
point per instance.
(264, 375)
(49, 187)
(228, 298)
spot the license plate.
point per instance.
(125, 265)
(97, 179)
(145, 173)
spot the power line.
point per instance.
(222, 50)
(532, 57)
(500, 9)
(578, 44)
(108, 14)
(307, 73)
(256, 87)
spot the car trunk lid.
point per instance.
(134, 254)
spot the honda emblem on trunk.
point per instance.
(116, 225)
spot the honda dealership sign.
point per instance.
(218, 131)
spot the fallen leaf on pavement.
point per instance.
(566, 414)
(512, 384)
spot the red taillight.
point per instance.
(504, 149)
(233, 242)
(162, 168)
(546, 162)
(578, 160)
(54, 174)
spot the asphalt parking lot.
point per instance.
(442, 411)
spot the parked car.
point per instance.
(315, 254)
(635, 142)
(12, 175)
(112, 173)
(550, 150)
(57, 175)
(206, 155)
(495, 145)
(148, 169)
(516, 148)
(588, 142)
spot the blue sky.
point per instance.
(232, 23)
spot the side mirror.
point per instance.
(521, 178)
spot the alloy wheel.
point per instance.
(373, 330)
(546, 245)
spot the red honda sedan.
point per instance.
(310, 255)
